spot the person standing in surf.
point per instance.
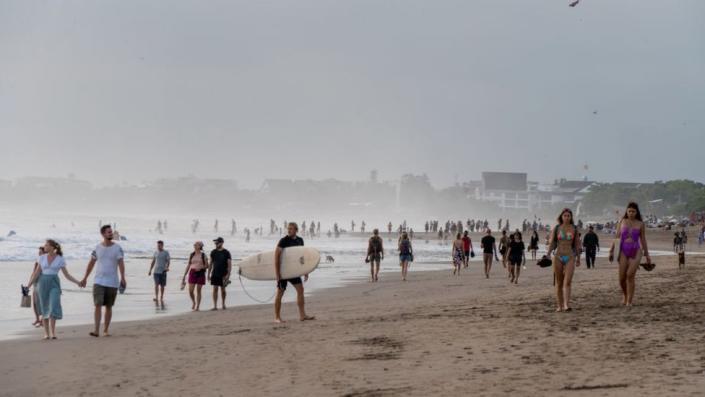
(564, 241)
(219, 272)
(406, 254)
(375, 254)
(632, 246)
(290, 240)
(108, 258)
(489, 251)
(46, 276)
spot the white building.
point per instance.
(506, 189)
(512, 190)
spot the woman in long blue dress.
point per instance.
(49, 287)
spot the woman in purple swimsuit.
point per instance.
(564, 241)
(632, 245)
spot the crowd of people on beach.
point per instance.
(565, 245)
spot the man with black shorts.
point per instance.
(489, 250)
(592, 246)
(290, 240)
(467, 247)
(219, 271)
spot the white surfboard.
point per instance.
(296, 262)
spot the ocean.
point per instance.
(78, 234)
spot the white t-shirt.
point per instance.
(51, 268)
(106, 266)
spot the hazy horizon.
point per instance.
(131, 91)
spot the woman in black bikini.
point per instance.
(566, 244)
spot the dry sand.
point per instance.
(433, 335)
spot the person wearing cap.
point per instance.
(219, 271)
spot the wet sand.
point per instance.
(435, 334)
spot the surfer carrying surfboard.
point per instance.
(290, 240)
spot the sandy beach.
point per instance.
(435, 334)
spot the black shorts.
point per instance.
(294, 281)
(104, 296)
(515, 261)
(217, 280)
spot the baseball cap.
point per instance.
(219, 240)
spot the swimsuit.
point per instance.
(629, 242)
(563, 236)
(457, 256)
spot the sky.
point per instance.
(129, 91)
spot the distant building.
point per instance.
(563, 192)
(506, 189)
(513, 190)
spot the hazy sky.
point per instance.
(119, 91)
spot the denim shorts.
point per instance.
(405, 258)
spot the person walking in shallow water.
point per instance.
(564, 241)
(375, 254)
(49, 286)
(632, 246)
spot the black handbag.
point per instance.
(545, 262)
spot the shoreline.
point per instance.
(311, 292)
(140, 308)
(435, 334)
